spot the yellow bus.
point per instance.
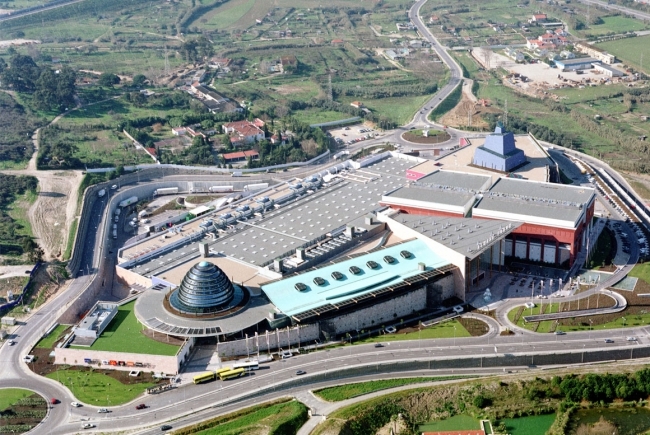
(222, 370)
(231, 374)
(205, 377)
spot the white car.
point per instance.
(10, 343)
(631, 339)
(87, 426)
(75, 404)
(390, 330)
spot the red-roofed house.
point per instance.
(240, 156)
(243, 132)
(337, 41)
(538, 18)
(357, 104)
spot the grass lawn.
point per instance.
(457, 422)
(259, 419)
(228, 14)
(532, 425)
(9, 396)
(641, 271)
(123, 335)
(449, 329)
(344, 392)
(51, 339)
(98, 389)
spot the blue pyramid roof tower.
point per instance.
(499, 152)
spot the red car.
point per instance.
(54, 401)
(141, 406)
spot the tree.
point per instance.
(138, 80)
(108, 80)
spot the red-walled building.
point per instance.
(555, 219)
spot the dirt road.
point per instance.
(52, 213)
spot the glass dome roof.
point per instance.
(204, 289)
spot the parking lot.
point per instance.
(354, 133)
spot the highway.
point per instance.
(182, 403)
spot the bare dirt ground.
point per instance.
(55, 208)
(468, 108)
(10, 42)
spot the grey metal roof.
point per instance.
(467, 236)
(530, 198)
(433, 195)
(577, 61)
(455, 179)
(259, 240)
(549, 191)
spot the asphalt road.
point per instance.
(182, 404)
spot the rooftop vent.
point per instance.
(300, 287)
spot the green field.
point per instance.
(51, 339)
(631, 51)
(98, 389)
(9, 396)
(531, 425)
(271, 418)
(447, 329)
(457, 422)
(124, 334)
(344, 392)
(316, 116)
(615, 24)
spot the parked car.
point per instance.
(141, 406)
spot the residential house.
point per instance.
(566, 54)
(357, 104)
(199, 76)
(278, 140)
(240, 156)
(599, 54)
(289, 61)
(179, 131)
(416, 43)
(205, 93)
(515, 55)
(337, 42)
(538, 18)
(244, 132)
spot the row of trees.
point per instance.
(50, 90)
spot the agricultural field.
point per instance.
(631, 51)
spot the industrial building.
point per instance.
(576, 64)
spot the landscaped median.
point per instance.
(20, 410)
(446, 329)
(279, 417)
